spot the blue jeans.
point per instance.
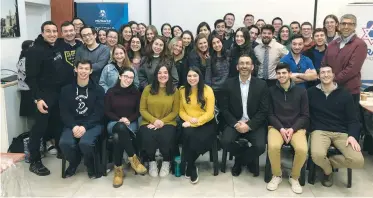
(134, 126)
(73, 147)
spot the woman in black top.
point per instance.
(242, 45)
(187, 38)
(200, 57)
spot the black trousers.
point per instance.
(49, 123)
(257, 139)
(163, 138)
(122, 142)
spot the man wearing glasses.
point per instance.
(98, 54)
(301, 66)
(346, 56)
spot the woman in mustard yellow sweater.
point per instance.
(197, 103)
(159, 107)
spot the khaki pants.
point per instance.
(299, 143)
(320, 143)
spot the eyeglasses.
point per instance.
(128, 77)
(348, 24)
(87, 35)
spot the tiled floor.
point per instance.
(223, 185)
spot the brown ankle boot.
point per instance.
(136, 165)
(118, 176)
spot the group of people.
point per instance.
(271, 84)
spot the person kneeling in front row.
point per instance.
(159, 107)
(288, 119)
(82, 110)
(333, 122)
(197, 104)
(122, 109)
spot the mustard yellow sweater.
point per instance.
(193, 108)
(159, 107)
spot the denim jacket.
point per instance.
(110, 76)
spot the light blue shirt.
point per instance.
(110, 76)
(245, 87)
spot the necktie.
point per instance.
(265, 63)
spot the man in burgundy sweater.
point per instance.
(346, 56)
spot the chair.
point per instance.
(367, 122)
(99, 169)
(312, 171)
(244, 142)
(268, 169)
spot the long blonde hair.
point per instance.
(171, 49)
(126, 63)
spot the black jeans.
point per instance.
(122, 141)
(51, 121)
(163, 138)
(257, 139)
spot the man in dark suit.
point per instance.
(245, 110)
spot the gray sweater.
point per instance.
(146, 72)
(99, 57)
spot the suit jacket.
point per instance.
(257, 102)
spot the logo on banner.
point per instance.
(102, 14)
(102, 18)
(368, 37)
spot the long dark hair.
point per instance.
(173, 28)
(244, 48)
(155, 84)
(163, 55)
(200, 88)
(121, 39)
(201, 25)
(121, 72)
(214, 54)
(201, 54)
(190, 47)
(131, 53)
(332, 16)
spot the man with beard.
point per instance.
(333, 122)
(269, 52)
(301, 66)
(295, 27)
(245, 110)
(229, 19)
(288, 121)
(306, 30)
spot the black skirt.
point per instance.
(200, 139)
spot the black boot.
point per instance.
(237, 167)
(39, 169)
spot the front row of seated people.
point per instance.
(249, 109)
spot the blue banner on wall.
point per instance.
(103, 15)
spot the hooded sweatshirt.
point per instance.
(287, 43)
(288, 108)
(82, 106)
(68, 53)
(45, 70)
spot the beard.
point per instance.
(295, 52)
(266, 41)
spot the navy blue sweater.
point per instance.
(335, 112)
(82, 106)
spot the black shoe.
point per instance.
(70, 171)
(327, 180)
(188, 172)
(194, 175)
(39, 169)
(91, 172)
(236, 169)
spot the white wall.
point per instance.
(11, 47)
(138, 10)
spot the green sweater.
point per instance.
(160, 106)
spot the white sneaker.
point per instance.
(51, 148)
(295, 186)
(153, 169)
(273, 184)
(165, 169)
